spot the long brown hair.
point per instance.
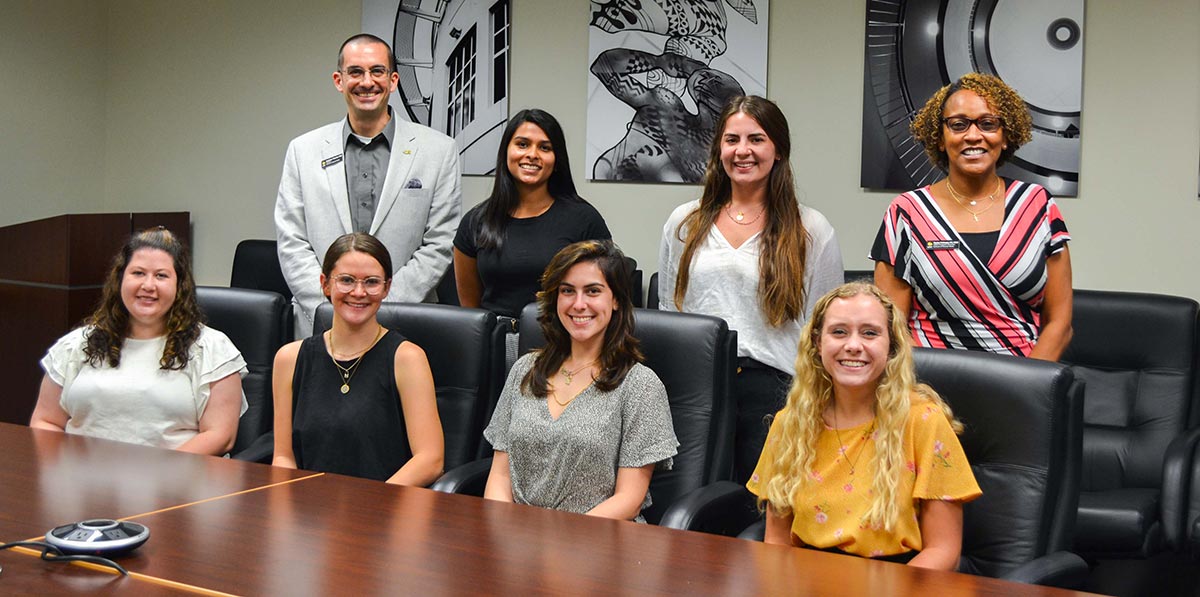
(784, 242)
(620, 351)
(110, 322)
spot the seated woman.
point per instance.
(144, 369)
(504, 243)
(581, 424)
(863, 459)
(975, 261)
(359, 399)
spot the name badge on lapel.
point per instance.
(333, 161)
(941, 245)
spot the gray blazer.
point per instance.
(417, 215)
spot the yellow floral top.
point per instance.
(830, 510)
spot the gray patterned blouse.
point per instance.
(571, 463)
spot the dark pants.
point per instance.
(759, 391)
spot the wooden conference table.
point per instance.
(220, 526)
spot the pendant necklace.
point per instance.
(740, 218)
(570, 375)
(348, 372)
(845, 452)
(964, 202)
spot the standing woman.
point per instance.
(359, 399)
(750, 253)
(582, 424)
(863, 459)
(975, 261)
(504, 243)
(144, 369)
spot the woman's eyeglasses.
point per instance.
(371, 286)
(986, 124)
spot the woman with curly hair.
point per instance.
(582, 424)
(144, 368)
(863, 459)
(976, 261)
(748, 252)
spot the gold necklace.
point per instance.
(570, 375)
(348, 372)
(845, 452)
(963, 201)
(740, 218)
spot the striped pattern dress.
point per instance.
(967, 301)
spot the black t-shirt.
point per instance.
(510, 276)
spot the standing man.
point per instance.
(368, 172)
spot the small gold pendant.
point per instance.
(345, 388)
(741, 216)
(975, 216)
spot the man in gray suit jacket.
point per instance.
(368, 172)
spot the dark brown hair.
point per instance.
(110, 322)
(784, 242)
(619, 352)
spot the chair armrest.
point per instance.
(468, 479)
(1176, 481)
(261, 450)
(1061, 569)
(723, 508)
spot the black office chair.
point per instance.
(258, 322)
(256, 266)
(1023, 434)
(1138, 354)
(447, 288)
(462, 348)
(652, 292)
(635, 281)
(695, 357)
(859, 275)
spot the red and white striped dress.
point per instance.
(959, 299)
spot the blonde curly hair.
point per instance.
(800, 422)
(926, 126)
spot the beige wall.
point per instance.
(52, 64)
(184, 105)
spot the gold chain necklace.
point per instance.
(845, 452)
(963, 201)
(348, 372)
(740, 218)
(570, 375)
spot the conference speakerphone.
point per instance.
(101, 537)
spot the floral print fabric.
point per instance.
(830, 510)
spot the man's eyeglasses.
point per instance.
(358, 73)
(346, 283)
(986, 124)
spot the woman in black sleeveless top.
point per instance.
(359, 399)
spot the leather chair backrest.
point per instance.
(462, 349)
(1023, 435)
(652, 292)
(258, 322)
(256, 265)
(635, 281)
(1137, 354)
(695, 356)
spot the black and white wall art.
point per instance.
(913, 47)
(660, 73)
(453, 60)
